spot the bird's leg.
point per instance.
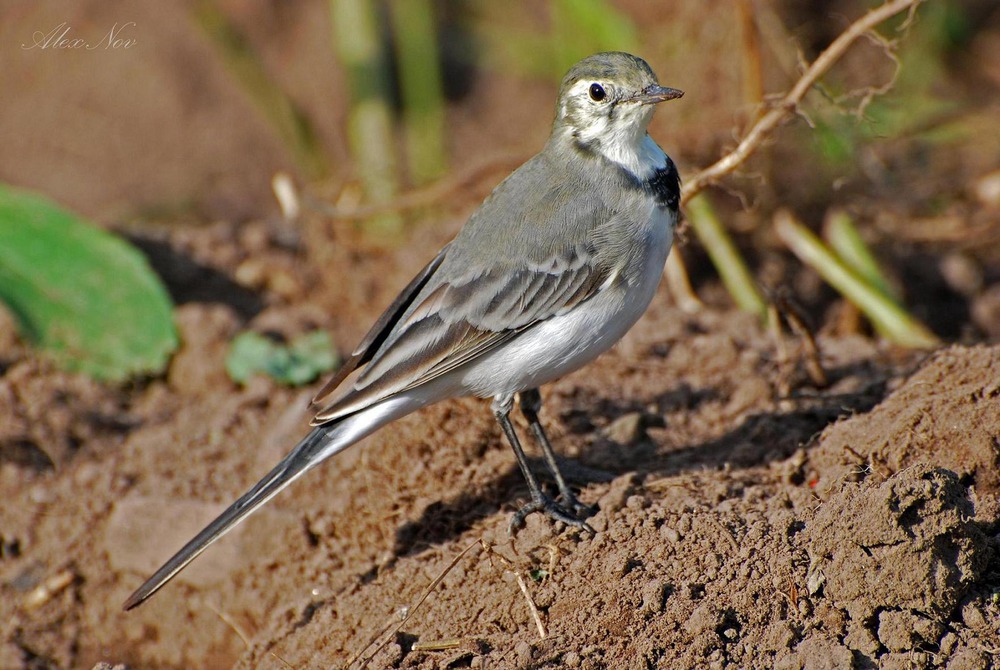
(540, 502)
(531, 403)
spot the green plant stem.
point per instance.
(846, 241)
(582, 26)
(725, 256)
(359, 48)
(418, 64)
(290, 123)
(888, 317)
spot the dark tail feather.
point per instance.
(320, 443)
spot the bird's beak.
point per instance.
(656, 93)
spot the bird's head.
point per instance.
(606, 102)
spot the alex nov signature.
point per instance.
(60, 38)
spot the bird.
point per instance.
(551, 270)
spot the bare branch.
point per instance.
(789, 104)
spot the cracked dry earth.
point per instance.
(853, 526)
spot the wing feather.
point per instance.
(463, 306)
(382, 328)
(454, 323)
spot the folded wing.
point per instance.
(436, 326)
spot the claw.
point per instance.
(552, 509)
(579, 509)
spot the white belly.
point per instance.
(568, 341)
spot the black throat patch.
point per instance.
(665, 185)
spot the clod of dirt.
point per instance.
(626, 429)
(816, 653)
(968, 659)
(901, 630)
(905, 546)
(986, 311)
(945, 413)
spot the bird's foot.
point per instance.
(580, 510)
(543, 503)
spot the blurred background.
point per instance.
(214, 96)
(871, 218)
(140, 114)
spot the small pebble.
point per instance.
(626, 429)
(669, 534)
(525, 655)
(987, 189)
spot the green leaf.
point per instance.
(538, 574)
(85, 296)
(726, 257)
(298, 363)
(249, 353)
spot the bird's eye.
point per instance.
(597, 92)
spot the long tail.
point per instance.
(321, 443)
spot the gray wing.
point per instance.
(382, 328)
(543, 221)
(454, 322)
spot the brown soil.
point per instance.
(850, 525)
(744, 518)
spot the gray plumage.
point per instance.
(551, 270)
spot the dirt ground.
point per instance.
(853, 525)
(744, 517)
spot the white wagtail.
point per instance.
(552, 269)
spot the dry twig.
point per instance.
(782, 307)
(788, 105)
(423, 197)
(409, 611)
(228, 619)
(766, 124)
(50, 587)
(524, 589)
(531, 606)
(437, 645)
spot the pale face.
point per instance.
(604, 117)
(601, 111)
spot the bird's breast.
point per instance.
(567, 341)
